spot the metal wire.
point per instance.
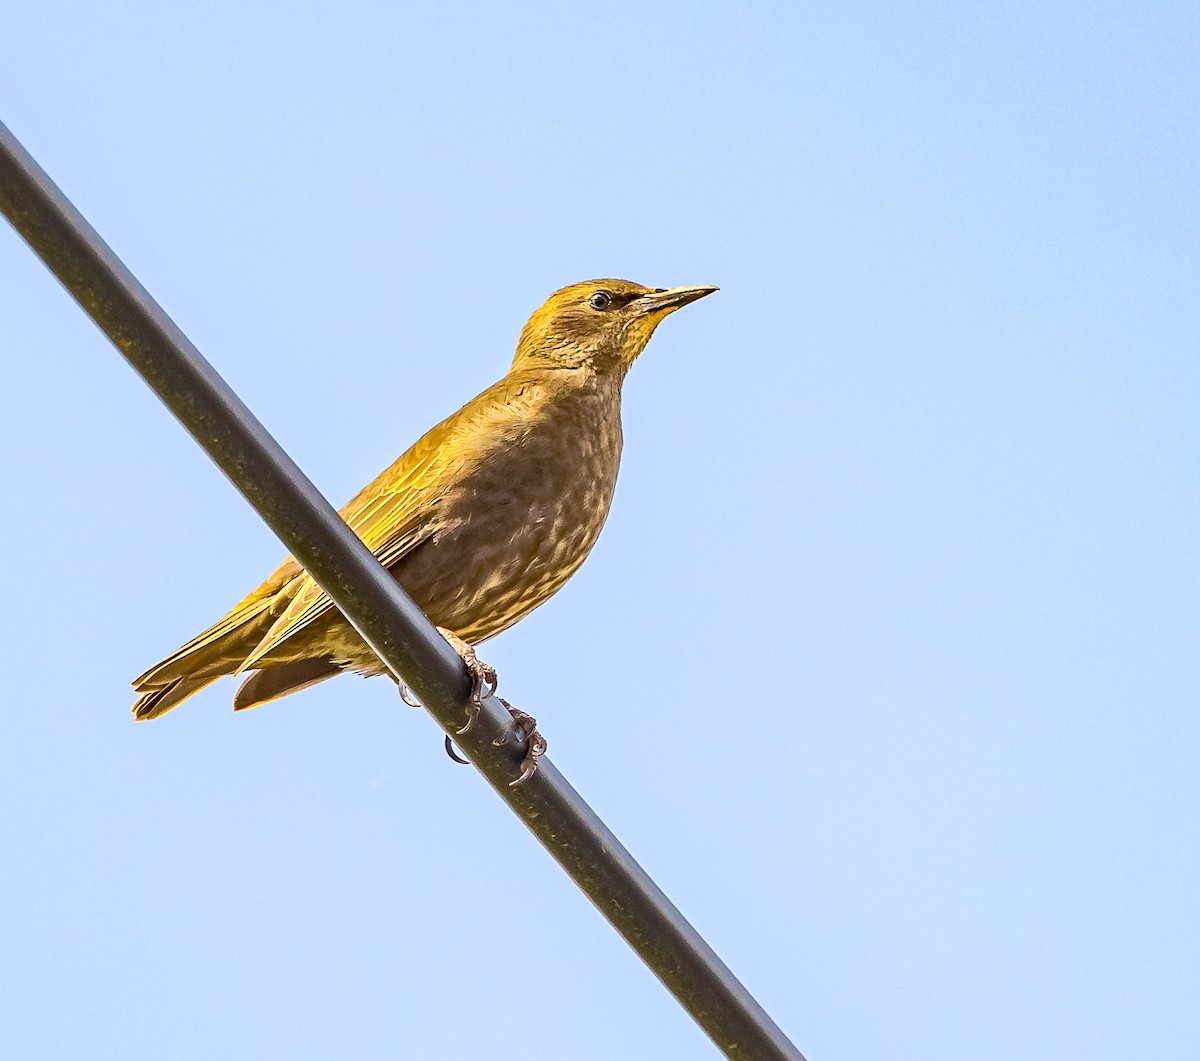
(378, 608)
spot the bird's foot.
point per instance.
(483, 685)
(483, 676)
(526, 732)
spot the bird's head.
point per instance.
(602, 324)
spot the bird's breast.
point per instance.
(520, 523)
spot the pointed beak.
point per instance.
(671, 299)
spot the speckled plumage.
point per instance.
(481, 520)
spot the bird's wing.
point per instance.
(399, 510)
(392, 516)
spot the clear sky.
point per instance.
(885, 665)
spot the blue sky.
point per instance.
(885, 663)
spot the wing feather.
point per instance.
(392, 516)
(399, 509)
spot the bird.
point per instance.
(481, 520)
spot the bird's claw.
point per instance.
(526, 732)
(406, 694)
(472, 710)
(483, 676)
(529, 765)
(457, 758)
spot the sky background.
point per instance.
(885, 666)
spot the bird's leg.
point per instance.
(525, 729)
(481, 675)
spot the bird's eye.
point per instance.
(601, 300)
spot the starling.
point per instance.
(481, 520)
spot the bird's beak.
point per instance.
(671, 299)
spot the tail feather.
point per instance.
(234, 635)
(217, 651)
(282, 679)
(160, 700)
(210, 655)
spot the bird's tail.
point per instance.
(160, 699)
(217, 651)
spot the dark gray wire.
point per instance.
(379, 609)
